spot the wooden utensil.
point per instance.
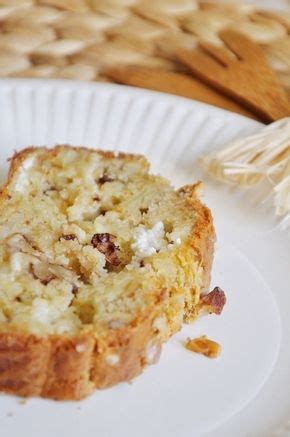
(174, 83)
(246, 77)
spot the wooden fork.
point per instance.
(174, 83)
(244, 76)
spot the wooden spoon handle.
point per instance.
(174, 83)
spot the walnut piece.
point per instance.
(67, 237)
(104, 243)
(40, 267)
(203, 345)
(46, 272)
(105, 178)
(20, 243)
(40, 272)
(213, 302)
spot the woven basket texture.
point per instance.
(79, 39)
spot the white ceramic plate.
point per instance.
(185, 394)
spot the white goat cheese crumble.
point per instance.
(16, 262)
(148, 241)
(23, 179)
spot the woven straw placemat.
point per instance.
(78, 39)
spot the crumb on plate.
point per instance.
(203, 345)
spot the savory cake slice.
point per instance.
(100, 262)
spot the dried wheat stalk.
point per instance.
(78, 39)
(264, 156)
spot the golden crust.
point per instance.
(201, 242)
(203, 239)
(65, 368)
(69, 368)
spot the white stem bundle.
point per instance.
(250, 160)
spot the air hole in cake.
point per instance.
(116, 201)
(103, 211)
(168, 226)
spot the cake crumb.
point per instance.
(23, 401)
(203, 345)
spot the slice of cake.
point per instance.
(100, 263)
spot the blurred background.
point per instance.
(141, 42)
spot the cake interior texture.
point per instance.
(89, 240)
